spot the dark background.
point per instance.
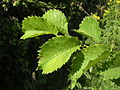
(18, 58)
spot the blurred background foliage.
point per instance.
(18, 58)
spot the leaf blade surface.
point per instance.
(57, 18)
(90, 28)
(35, 26)
(56, 52)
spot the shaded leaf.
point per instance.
(77, 60)
(89, 57)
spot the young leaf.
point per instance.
(56, 52)
(35, 26)
(90, 28)
(57, 18)
(88, 57)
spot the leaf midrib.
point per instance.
(58, 54)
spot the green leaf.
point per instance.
(113, 71)
(35, 26)
(88, 58)
(90, 28)
(57, 18)
(56, 52)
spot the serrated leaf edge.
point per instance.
(62, 14)
(60, 52)
(109, 77)
(62, 64)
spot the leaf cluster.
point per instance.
(58, 50)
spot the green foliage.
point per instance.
(111, 35)
(90, 28)
(59, 50)
(90, 56)
(100, 84)
(21, 65)
(51, 22)
(111, 32)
